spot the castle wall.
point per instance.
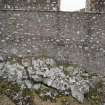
(75, 38)
(86, 34)
(95, 5)
(38, 5)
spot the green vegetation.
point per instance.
(95, 96)
(5, 85)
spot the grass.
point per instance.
(5, 85)
(92, 98)
(95, 96)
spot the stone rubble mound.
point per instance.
(32, 72)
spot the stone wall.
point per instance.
(84, 37)
(38, 5)
(74, 38)
(95, 5)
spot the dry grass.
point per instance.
(60, 101)
(5, 100)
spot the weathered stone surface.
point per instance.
(76, 38)
(45, 71)
(62, 39)
(37, 5)
(95, 5)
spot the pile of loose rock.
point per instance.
(32, 73)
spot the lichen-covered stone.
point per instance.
(34, 72)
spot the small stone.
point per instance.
(28, 84)
(14, 51)
(37, 86)
(26, 62)
(28, 51)
(3, 40)
(1, 58)
(78, 32)
(77, 94)
(1, 62)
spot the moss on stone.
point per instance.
(94, 96)
(5, 85)
(28, 92)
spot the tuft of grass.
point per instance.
(5, 85)
(94, 96)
